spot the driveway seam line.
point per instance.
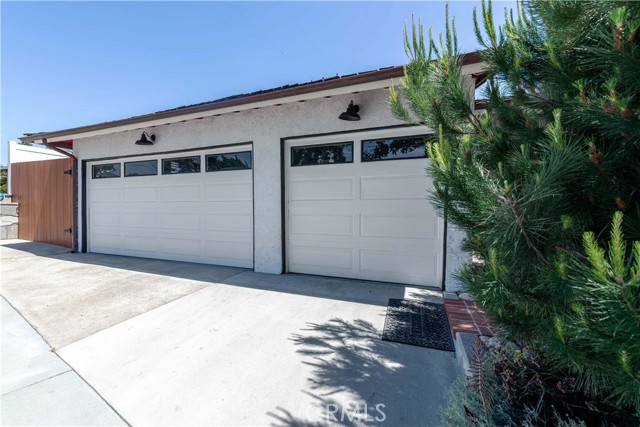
(96, 392)
(29, 323)
(39, 381)
(70, 367)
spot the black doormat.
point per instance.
(417, 323)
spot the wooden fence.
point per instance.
(44, 193)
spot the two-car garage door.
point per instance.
(191, 206)
(356, 206)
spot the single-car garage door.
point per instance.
(190, 206)
(357, 207)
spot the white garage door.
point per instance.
(357, 207)
(191, 206)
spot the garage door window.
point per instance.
(111, 170)
(394, 148)
(142, 168)
(181, 165)
(322, 154)
(228, 161)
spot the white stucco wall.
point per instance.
(456, 258)
(264, 127)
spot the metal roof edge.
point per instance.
(261, 96)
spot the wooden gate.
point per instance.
(44, 192)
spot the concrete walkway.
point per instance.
(167, 343)
(38, 388)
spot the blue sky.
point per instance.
(68, 64)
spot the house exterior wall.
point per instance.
(456, 258)
(265, 127)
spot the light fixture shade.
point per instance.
(351, 114)
(146, 139)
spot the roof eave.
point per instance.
(323, 85)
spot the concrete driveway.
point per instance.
(169, 343)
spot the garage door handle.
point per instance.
(68, 230)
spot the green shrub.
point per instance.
(3, 181)
(510, 387)
(555, 155)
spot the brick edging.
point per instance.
(467, 316)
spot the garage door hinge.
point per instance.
(68, 172)
(68, 230)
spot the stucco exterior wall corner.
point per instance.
(456, 258)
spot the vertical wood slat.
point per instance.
(45, 197)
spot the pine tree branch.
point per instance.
(532, 92)
(574, 253)
(473, 121)
(627, 301)
(513, 206)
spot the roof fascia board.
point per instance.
(350, 84)
(150, 122)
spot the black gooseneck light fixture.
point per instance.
(146, 139)
(351, 114)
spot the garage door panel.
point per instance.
(406, 278)
(228, 191)
(182, 247)
(105, 216)
(366, 220)
(418, 208)
(106, 240)
(227, 236)
(140, 220)
(399, 227)
(141, 194)
(181, 221)
(229, 222)
(325, 207)
(400, 262)
(140, 207)
(107, 231)
(182, 193)
(234, 254)
(106, 195)
(320, 260)
(322, 224)
(398, 187)
(199, 217)
(238, 207)
(321, 189)
(141, 243)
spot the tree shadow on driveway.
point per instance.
(359, 380)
